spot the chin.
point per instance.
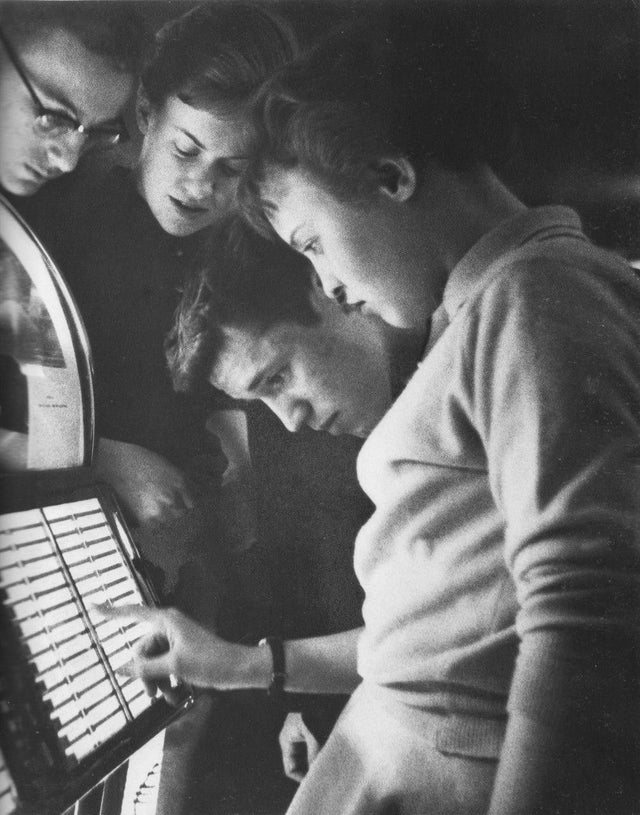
(357, 431)
(181, 230)
(23, 188)
(176, 226)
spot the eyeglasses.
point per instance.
(57, 124)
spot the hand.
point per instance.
(298, 746)
(206, 468)
(151, 489)
(178, 648)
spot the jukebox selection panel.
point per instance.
(63, 695)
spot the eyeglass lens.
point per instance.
(52, 124)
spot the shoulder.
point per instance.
(559, 283)
(554, 319)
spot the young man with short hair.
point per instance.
(67, 71)
(256, 325)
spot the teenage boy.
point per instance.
(256, 325)
(67, 70)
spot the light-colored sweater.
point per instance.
(502, 563)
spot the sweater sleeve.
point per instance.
(555, 390)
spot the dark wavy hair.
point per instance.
(114, 30)
(363, 94)
(247, 282)
(217, 55)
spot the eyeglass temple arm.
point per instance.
(16, 64)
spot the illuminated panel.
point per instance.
(143, 779)
(8, 796)
(54, 563)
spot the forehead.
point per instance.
(66, 71)
(226, 133)
(247, 354)
(290, 192)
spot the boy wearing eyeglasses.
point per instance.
(67, 70)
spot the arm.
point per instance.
(238, 500)
(533, 775)
(559, 419)
(177, 646)
(150, 487)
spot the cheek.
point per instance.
(316, 380)
(157, 164)
(352, 262)
(16, 127)
(227, 190)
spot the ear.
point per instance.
(143, 110)
(397, 178)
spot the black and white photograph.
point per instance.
(320, 407)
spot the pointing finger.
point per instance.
(143, 614)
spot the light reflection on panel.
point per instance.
(54, 563)
(8, 796)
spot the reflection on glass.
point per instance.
(43, 422)
(27, 333)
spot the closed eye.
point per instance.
(58, 116)
(275, 382)
(185, 152)
(311, 247)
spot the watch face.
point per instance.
(46, 400)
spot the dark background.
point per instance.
(574, 66)
(574, 70)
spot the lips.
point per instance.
(41, 175)
(187, 208)
(326, 425)
(356, 306)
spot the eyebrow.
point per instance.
(250, 388)
(55, 97)
(199, 144)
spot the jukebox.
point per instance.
(68, 718)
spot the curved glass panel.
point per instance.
(46, 394)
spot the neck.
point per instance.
(461, 207)
(405, 347)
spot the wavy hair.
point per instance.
(247, 282)
(363, 94)
(217, 55)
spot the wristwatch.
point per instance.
(278, 674)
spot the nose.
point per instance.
(203, 180)
(294, 413)
(331, 286)
(64, 153)
(199, 185)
